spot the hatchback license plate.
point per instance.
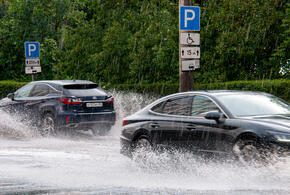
(91, 105)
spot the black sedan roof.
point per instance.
(220, 92)
(212, 93)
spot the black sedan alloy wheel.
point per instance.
(253, 152)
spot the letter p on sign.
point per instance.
(189, 18)
(31, 49)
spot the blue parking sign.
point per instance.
(31, 49)
(189, 18)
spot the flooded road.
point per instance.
(80, 163)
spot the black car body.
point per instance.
(62, 104)
(210, 121)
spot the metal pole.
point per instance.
(186, 81)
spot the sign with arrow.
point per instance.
(32, 69)
(190, 52)
(190, 65)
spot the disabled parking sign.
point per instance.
(31, 49)
(189, 18)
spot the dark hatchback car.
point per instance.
(73, 104)
(250, 125)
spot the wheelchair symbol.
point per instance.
(189, 40)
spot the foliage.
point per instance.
(280, 87)
(136, 42)
(7, 87)
(37, 20)
(282, 54)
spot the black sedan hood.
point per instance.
(279, 122)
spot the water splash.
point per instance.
(93, 164)
(127, 103)
(11, 126)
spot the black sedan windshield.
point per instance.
(243, 105)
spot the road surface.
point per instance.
(80, 163)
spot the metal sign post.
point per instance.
(189, 41)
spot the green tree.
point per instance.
(133, 41)
(238, 39)
(282, 54)
(37, 20)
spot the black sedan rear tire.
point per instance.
(143, 144)
(142, 149)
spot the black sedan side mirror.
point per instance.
(10, 96)
(213, 116)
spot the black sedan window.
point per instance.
(178, 106)
(158, 108)
(242, 105)
(202, 105)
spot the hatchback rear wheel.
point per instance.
(48, 125)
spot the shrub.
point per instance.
(7, 87)
(280, 88)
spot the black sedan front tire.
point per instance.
(252, 152)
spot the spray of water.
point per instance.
(12, 126)
(127, 103)
(93, 164)
(193, 172)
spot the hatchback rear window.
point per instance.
(83, 90)
(80, 86)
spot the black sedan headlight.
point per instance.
(281, 137)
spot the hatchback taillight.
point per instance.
(125, 122)
(71, 100)
(110, 101)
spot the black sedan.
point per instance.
(250, 125)
(63, 104)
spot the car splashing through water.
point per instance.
(201, 121)
(82, 163)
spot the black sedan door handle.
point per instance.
(155, 125)
(190, 127)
